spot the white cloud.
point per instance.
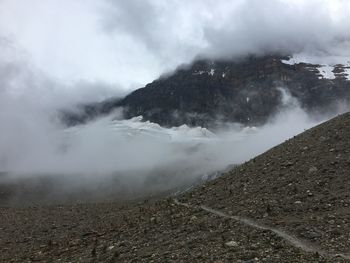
(55, 53)
(133, 42)
(64, 40)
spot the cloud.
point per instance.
(128, 158)
(111, 159)
(64, 40)
(130, 43)
(57, 53)
(260, 27)
(231, 28)
(169, 30)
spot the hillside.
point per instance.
(290, 204)
(208, 93)
(302, 185)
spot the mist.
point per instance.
(130, 43)
(116, 159)
(55, 55)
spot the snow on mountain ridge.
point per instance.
(136, 126)
(326, 64)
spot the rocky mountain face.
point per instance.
(248, 91)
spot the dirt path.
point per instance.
(296, 242)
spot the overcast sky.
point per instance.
(59, 53)
(125, 44)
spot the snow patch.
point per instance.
(326, 63)
(327, 72)
(347, 73)
(292, 61)
(331, 60)
(199, 72)
(210, 73)
(136, 127)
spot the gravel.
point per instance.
(301, 187)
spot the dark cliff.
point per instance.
(207, 92)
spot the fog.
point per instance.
(114, 159)
(109, 145)
(55, 55)
(130, 43)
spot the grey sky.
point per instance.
(129, 43)
(57, 53)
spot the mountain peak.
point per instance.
(211, 92)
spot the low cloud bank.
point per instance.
(56, 54)
(111, 158)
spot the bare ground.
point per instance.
(300, 188)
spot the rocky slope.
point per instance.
(290, 204)
(209, 92)
(302, 186)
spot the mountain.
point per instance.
(247, 90)
(290, 204)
